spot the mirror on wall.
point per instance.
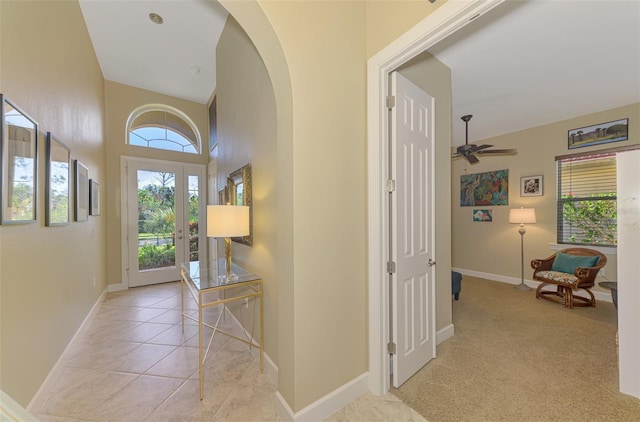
(58, 182)
(18, 149)
(238, 192)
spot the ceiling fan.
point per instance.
(469, 151)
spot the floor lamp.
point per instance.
(227, 221)
(522, 216)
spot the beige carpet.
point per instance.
(515, 358)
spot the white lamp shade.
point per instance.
(522, 215)
(227, 220)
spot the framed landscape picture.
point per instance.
(602, 133)
(19, 165)
(57, 197)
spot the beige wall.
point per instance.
(435, 78)
(494, 248)
(388, 19)
(324, 43)
(120, 101)
(46, 274)
(315, 53)
(247, 135)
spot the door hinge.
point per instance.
(391, 267)
(390, 186)
(391, 348)
(390, 101)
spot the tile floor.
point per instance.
(134, 363)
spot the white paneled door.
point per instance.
(412, 229)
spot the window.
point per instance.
(587, 202)
(163, 127)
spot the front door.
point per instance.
(164, 202)
(412, 226)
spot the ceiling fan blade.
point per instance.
(471, 158)
(456, 155)
(471, 148)
(481, 147)
(498, 151)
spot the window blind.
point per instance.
(587, 202)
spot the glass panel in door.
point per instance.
(193, 183)
(156, 220)
(156, 224)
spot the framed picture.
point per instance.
(19, 167)
(531, 186)
(602, 133)
(490, 188)
(57, 183)
(213, 123)
(94, 197)
(81, 202)
(483, 215)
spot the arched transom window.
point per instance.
(163, 127)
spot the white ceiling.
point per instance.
(530, 63)
(177, 58)
(525, 64)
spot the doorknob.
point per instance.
(179, 234)
(431, 262)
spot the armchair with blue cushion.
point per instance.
(569, 270)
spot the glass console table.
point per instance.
(201, 280)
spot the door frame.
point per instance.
(124, 244)
(444, 21)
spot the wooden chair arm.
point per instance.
(543, 264)
(586, 274)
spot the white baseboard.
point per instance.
(285, 412)
(605, 297)
(445, 333)
(10, 410)
(327, 405)
(116, 287)
(50, 381)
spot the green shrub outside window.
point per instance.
(587, 201)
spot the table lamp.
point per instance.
(522, 216)
(227, 221)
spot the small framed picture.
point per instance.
(531, 186)
(94, 197)
(483, 215)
